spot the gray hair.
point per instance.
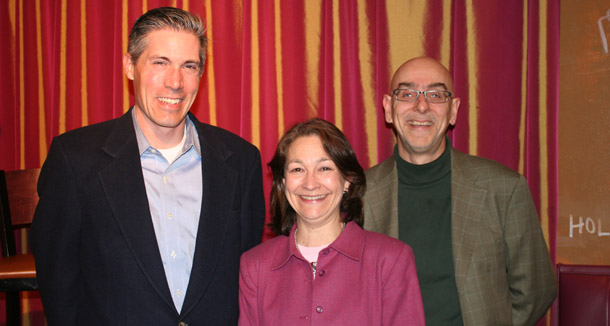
(166, 18)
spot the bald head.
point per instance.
(420, 125)
(422, 68)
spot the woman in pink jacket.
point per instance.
(323, 268)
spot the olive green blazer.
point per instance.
(503, 271)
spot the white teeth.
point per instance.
(418, 123)
(313, 197)
(169, 100)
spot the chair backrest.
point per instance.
(584, 295)
(18, 199)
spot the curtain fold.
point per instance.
(272, 63)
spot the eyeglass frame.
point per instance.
(448, 93)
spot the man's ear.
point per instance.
(128, 65)
(455, 105)
(387, 108)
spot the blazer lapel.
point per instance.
(388, 195)
(467, 201)
(219, 185)
(123, 184)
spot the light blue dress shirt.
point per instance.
(174, 191)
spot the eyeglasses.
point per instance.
(411, 95)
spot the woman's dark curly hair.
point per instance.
(341, 153)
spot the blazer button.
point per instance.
(325, 251)
(182, 324)
(319, 309)
(321, 273)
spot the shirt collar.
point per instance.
(192, 138)
(350, 243)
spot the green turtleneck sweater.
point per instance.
(424, 223)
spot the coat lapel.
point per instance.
(123, 184)
(386, 199)
(467, 201)
(219, 184)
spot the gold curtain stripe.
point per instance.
(237, 8)
(185, 5)
(473, 81)
(21, 91)
(445, 55)
(83, 62)
(278, 68)
(255, 78)
(406, 31)
(144, 6)
(313, 13)
(367, 76)
(42, 133)
(544, 164)
(13, 33)
(338, 94)
(210, 58)
(62, 65)
(26, 296)
(523, 114)
(22, 125)
(125, 39)
(11, 18)
(542, 126)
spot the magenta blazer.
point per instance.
(363, 278)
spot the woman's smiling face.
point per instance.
(314, 185)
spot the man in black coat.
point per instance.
(142, 219)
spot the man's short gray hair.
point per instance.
(166, 18)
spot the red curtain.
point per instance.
(272, 63)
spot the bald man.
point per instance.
(480, 254)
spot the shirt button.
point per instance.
(319, 309)
(165, 178)
(179, 292)
(170, 215)
(173, 254)
(321, 273)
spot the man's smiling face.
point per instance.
(166, 78)
(421, 126)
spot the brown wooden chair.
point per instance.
(18, 199)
